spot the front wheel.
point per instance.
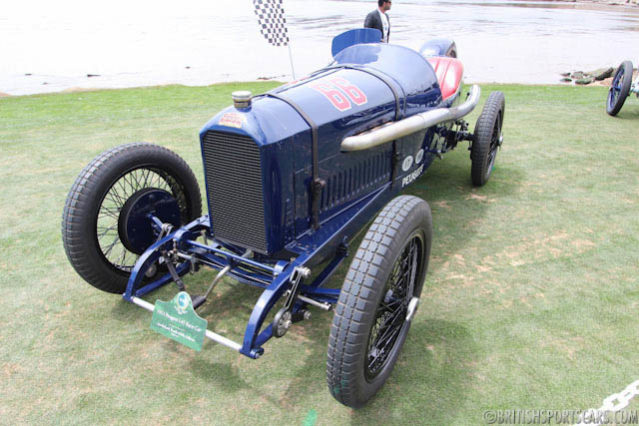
(378, 299)
(619, 88)
(487, 138)
(105, 222)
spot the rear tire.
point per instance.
(91, 234)
(487, 138)
(369, 326)
(619, 88)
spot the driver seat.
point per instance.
(449, 74)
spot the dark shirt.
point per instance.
(373, 20)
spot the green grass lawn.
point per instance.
(531, 300)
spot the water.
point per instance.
(48, 46)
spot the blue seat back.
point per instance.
(353, 37)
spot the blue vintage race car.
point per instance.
(292, 175)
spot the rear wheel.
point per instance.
(487, 138)
(619, 88)
(377, 301)
(105, 225)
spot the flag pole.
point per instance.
(290, 57)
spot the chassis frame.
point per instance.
(278, 279)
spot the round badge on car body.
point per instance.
(408, 163)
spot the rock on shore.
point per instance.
(606, 2)
(600, 76)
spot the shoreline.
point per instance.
(75, 90)
(612, 3)
(568, 76)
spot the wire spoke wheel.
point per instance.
(371, 321)
(615, 88)
(494, 144)
(619, 88)
(391, 312)
(94, 221)
(107, 229)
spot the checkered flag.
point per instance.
(270, 17)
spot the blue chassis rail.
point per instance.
(272, 275)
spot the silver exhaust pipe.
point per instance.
(391, 131)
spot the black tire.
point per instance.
(358, 363)
(99, 193)
(619, 88)
(487, 138)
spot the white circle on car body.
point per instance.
(408, 162)
(419, 157)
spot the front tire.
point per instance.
(619, 88)
(92, 218)
(487, 138)
(370, 326)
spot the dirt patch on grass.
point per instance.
(77, 89)
(10, 369)
(568, 346)
(443, 205)
(543, 248)
(582, 245)
(476, 197)
(456, 270)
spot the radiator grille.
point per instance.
(234, 189)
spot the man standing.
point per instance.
(379, 19)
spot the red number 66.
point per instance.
(338, 91)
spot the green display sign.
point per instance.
(177, 320)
